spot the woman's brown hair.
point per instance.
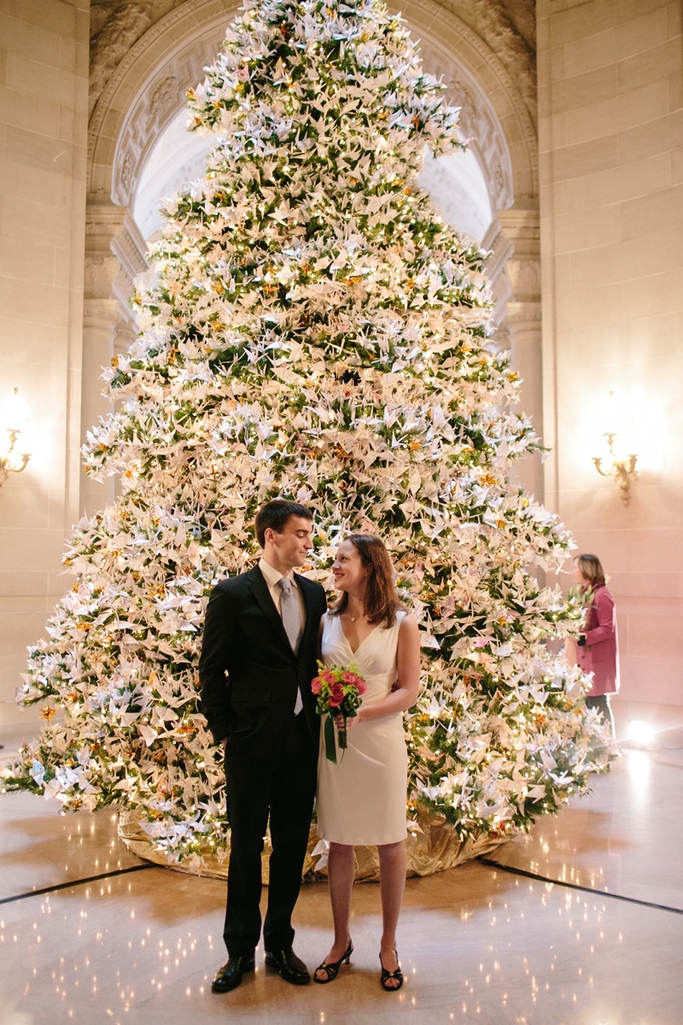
(381, 600)
(592, 570)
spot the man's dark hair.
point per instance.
(275, 514)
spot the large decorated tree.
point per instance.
(316, 332)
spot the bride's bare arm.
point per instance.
(407, 686)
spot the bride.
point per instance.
(362, 799)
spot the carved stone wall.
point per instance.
(157, 105)
(478, 122)
(115, 26)
(508, 28)
(496, 87)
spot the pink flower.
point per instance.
(316, 684)
(354, 681)
(336, 695)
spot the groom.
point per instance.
(258, 659)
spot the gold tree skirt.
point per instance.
(431, 846)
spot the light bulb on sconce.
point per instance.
(13, 421)
(623, 470)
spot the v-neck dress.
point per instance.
(362, 799)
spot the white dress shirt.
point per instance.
(273, 577)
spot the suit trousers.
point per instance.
(279, 785)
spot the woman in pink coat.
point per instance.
(597, 650)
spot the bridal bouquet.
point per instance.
(338, 690)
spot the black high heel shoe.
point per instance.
(332, 967)
(397, 974)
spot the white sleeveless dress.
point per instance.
(362, 799)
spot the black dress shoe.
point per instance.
(291, 968)
(229, 975)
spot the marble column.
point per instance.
(514, 268)
(114, 258)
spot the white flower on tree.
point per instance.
(316, 333)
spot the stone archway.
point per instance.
(138, 89)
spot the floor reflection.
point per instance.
(481, 943)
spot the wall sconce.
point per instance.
(13, 420)
(621, 469)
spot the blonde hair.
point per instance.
(591, 568)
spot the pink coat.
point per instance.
(600, 655)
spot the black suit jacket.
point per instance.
(245, 639)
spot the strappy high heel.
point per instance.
(397, 974)
(332, 967)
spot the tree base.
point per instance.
(432, 845)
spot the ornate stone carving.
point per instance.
(164, 96)
(485, 28)
(153, 108)
(508, 27)
(522, 14)
(115, 256)
(115, 26)
(522, 227)
(449, 41)
(499, 23)
(513, 266)
(127, 172)
(478, 122)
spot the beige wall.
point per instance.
(43, 110)
(611, 142)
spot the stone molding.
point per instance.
(146, 89)
(478, 122)
(115, 28)
(500, 249)
(494, 108)
(522, 226)
(160, 101)
(507, 26)
(514, 268)
(135, 100)
(499, 25)
(115, 256)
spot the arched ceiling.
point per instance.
(138, 89)
(456, 182)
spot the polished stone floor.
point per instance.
(581, 922)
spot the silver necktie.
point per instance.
(289, 610)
